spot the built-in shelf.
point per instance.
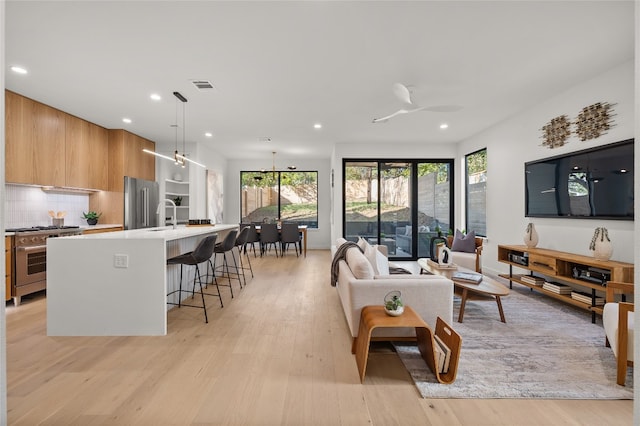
(173, 189)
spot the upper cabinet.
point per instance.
(87, 153)
(46, 146)
(127, 159)
(34, 142)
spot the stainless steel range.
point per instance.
(30, 257)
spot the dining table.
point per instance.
(303, 231)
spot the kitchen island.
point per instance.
(116, 283)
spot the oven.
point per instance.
(30, 258)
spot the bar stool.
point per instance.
(201, 254)
(223, 248)
(252, 239)
(241, 242)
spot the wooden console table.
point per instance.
(374, 316)
(560, 266)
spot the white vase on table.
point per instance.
(530, 236)
(601, 244)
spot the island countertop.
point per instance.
(166, 233)
(116, 283)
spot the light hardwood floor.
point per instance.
(278, 353)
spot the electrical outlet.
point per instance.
(121, 260)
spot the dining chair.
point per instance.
(269, 235)
(290, 235)
(201, 254)
(224, 247)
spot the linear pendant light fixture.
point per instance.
(178, 159)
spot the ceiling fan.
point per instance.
(403, 93)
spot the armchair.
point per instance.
(617, 319)
(467, 260)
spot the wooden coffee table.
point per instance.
(487, 289)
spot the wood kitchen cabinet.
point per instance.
(34, 142)
(8, 261)
(87, 151)
(127, 159)
(102, 230)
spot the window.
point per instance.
(273, 196)
(402, 204)
(475, 192)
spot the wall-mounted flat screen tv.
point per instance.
(594, 183)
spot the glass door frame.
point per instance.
(413, 193)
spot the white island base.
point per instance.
(116, 283)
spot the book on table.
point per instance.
(530, 279)
(467, 277)
(586, 298)
(557, 288)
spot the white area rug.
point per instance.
(546, 350)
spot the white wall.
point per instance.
(517, 140)
(317, 239)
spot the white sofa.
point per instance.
(431, 296)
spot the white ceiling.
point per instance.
(280, 67)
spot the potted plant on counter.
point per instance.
(91, 217)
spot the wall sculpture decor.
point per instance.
(556, 132)
(594, 121)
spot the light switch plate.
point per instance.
(121, 260)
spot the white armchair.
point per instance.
(471, 261)
(617, 320)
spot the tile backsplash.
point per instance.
(27, 206)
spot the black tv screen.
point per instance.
(594, 183)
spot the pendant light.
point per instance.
(178, 159)
(182, 158)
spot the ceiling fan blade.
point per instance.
(443, 108)
(383, 119)
(402, 93)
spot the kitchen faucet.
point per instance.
(175, 211)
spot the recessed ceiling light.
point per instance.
(18, 70)
(155, 97)
(317, 126)
(208, 134)
(126, 120)
(444, 126)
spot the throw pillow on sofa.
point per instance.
(464, 243)
(360, 266)
(378, 261)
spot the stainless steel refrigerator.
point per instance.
(141, 198)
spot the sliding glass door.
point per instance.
(434, 204)
(361, 200)
(402, 204)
